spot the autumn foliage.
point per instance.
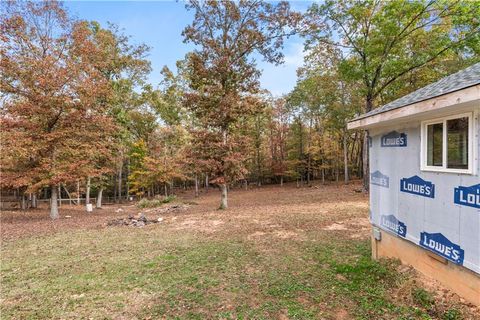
(54, 123)
(77, 112)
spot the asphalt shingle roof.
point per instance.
(462, 79)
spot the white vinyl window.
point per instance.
(447, 144)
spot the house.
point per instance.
(425, 180)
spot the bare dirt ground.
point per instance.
(291, 252)
(258, 206)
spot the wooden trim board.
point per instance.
(460, 280)
(467, 97)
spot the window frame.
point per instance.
(471, 144)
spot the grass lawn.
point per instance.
(276, 254)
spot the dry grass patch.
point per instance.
(278, 253)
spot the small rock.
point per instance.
(141, 217)
(119, 210)
(140, 224)
(160, 219)
(340, 277)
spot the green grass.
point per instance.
(157, 272)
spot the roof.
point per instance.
(462, 79)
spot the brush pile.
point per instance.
(139, 221)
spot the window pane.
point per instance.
(435, 144)
(457, 143)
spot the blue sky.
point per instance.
(159, 25)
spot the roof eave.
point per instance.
(459, 98)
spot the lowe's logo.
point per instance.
(379, 179)
(418, 186)
(391, 223)
(439, 244)
(394, 139)
(467, 196)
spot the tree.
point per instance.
(125, 67)
(54, 126)
(223, 78)
(386, 41)
(278, 128)
(323, 96)
(159, 163)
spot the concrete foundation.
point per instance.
(462, 281)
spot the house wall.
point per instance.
(432, 221)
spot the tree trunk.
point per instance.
(309, 159)
(345, 158)
(224, 201)
(166, 189)
(281, 181)
(196, 185)
(207, 185)
(78, 192)
(223, 186)
(87, 194)
(365, 155)
(127, 185)
(99, 198)
(120, 173)
(59, 196)
(114, 181)
(24, 202)
(34, 200)
(365, 168)
(259, 169)
(68, 193)
(54, 204)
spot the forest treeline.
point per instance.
(79, 116)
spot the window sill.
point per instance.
(444, 170)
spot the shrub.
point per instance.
(146, 203)
(169, 198)
(423, 298)
(452, 314)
